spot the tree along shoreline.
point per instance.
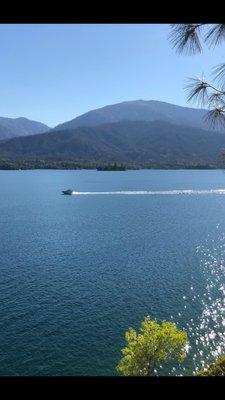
(101, 166)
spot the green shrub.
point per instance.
(217, 368)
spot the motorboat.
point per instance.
(68, 191)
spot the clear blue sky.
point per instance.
(52, 73)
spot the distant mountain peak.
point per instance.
(139, 110)
(20, 126)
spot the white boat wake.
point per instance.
(151, 192)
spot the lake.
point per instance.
(77, 271)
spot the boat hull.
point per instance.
(67, 192)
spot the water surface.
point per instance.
(77, 271)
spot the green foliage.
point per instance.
(112, 167)
(127, 142)
(155, 344)
(215, 369)
(100, 166)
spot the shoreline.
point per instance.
(7, 165)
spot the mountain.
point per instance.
(12, 127)
(125, 141)
(139, 110)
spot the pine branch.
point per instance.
(185, 38)
(216, 117)
(197, 91)
(219, 73)
(216, 99)
(216, 35)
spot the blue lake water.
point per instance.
(77, 271)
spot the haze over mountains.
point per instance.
(12, 127)
(139, 110)
(138, 131)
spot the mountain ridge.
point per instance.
(124, 141)
(20, 126)
(139, 110)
